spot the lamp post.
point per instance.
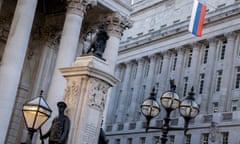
(188, 109)
(35, 112)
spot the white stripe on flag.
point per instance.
(195, 5)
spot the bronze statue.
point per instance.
(58, 133)
(98, 46)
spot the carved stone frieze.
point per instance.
(98, 94)
(71, 92)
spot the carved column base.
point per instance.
(88, 81)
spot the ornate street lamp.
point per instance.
(188, 109)
(35, 112)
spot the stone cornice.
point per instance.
(181, 27)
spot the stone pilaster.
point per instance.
(194, 69)
(165, 71)
(16, 48)
(151, 75)
(227, 72)
(179, 68)
(124, 94)
(113, 100)
(85, 95)
(206, 104)
(50, 39)
(134, 104)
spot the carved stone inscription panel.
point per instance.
(98, 94)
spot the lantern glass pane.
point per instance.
(170, 100)
(44, 111)
(34, 113)
(150, 108)
(40, 119)
(189, 108)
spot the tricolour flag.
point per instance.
(197, 18)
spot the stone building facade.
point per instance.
(37, 38)
(158, 48)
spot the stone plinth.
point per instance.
(88, 81)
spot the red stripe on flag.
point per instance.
(201, 20)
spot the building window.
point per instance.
(117, 141)
(234, 105)
(187, 139)
(174, 62)
(225, 137)
(156, 140)
(171, 139)
(222, 50)
(142, 140)
(189, 59)
(201, 83)
(204, 139)
(215, 107)
(160, 64)
(185, 85)
(237, 79)
(219, 80)
(205, 55)
(129, 141)
(146, 69)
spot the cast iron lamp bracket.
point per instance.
(188, 109)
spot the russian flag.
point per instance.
(197, 18)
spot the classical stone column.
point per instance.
(124, 94)
(67, 49)
(116, 25)
(85, 95)
(206, 104)
(134, 104)
(13, 59)
(227, 72)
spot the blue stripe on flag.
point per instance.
(196, 21)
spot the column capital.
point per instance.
(212, 42)
(212, 39)
(117, 24)
(79, 7)
(230, 35)
(180, 50)
(140, 60)
(166, 54)
(51, 35)
(4, 31)
(152, 56)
